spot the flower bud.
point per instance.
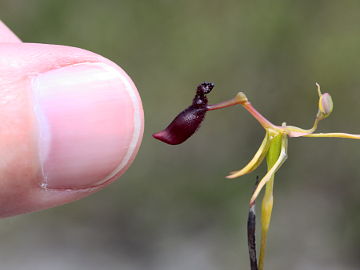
(188, 121)
(325, 105)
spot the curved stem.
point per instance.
(258, 116)
(315, 125)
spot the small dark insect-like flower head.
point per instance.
(188, 121)
(205, 88)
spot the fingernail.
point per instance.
(89, 124)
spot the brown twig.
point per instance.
(251, 228)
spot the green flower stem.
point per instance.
(267, 203)
(333, 135)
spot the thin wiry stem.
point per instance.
(242, 100)
(334, 135)
(258, 116)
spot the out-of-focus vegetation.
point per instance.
(174, 209)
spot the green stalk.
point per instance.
(267, 202)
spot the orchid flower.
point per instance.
(273, 147)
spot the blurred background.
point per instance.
(174, 209)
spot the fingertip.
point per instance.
(89, 124)
(82, 128)
(6, 35)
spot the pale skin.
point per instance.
(23, 188)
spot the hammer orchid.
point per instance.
(273, 147)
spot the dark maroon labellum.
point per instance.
(188, 121)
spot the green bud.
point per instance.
(325, 105)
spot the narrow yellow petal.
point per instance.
(256, 160)
(334, 135)
(273, 170)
